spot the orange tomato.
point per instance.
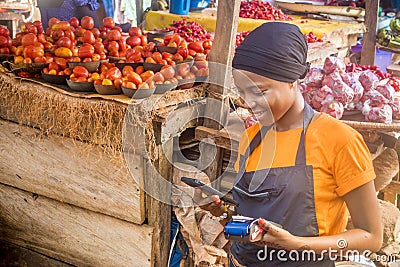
(147, 75)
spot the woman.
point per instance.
(66, 9)
(296, 167)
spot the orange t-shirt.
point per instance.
(340, 159)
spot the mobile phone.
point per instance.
(208, 190)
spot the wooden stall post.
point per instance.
(220, 79)
(369, 38)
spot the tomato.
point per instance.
(70, 34)
(135, 31)
(63, 25)
(150, 60)
(87, 59)
(86, 51)
(207, 44)
(33, 51)
(196, 46)
(122, 46)
(88, 37)
(79, 32)
(114, 35)
(40, 45)
(103, 56)
(183, 69)
(157, 57)
(144, 40)
(96, 57)
(54, 66)
(183, 51)
(108, 22)
(201, 63)
(139, 69)
(168, 72)
(68, 71)
(177, 57)
(143, 86)
(63, 52)
(113, 46)
(39, 60)
(62, 62)
(107, 82)
(57, 34)
(74, 22)
(133, 41)
(28, 39)
(81, 79)
(126, 70)
(87, 23)
(134, 77)
(135, 56)
(168, 38)
(130, 85)
(18, 59)
(39, 26)
(176, 39)
(113, 73)
(158, 77)
(147, 75)
(30, 28)
(117, 28)
(64, 42)
(80, 71)
(28, 60)
(166, 55)
(149, 47)
(3, 41)
(118, 83)
(53, 21)
(96, 32)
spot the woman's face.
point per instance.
(267, 99)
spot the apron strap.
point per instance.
(301, 150)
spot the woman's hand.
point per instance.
(213, 203)
(276, 237)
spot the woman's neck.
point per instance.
(293, 118)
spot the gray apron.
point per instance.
(283, 195)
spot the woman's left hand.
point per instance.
(276, 237)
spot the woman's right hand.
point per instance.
(213, 203)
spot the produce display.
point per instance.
(76, 54)
(390, 38)
(350, 3)
(190, 31)
(255, 9)
(338, 87)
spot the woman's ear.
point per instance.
(293, 85)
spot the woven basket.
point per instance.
(33, 68)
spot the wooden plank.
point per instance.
(14, 255)
(220, 138)
(71, 172)
(391, 191)
(157, 201)
(220, 79)
(369, 38)
(71, 234)
(180, 119)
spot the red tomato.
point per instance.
(74, 22)
(64, 42)
(118, 83)
(158, 77)
(98, 47)
(207, 44)
(57, 34)
(68, 71)
(3, 41)
(39, 60)
(147, 75)
(88, 37)
(86, 51)
(183, 69)
(96, 32)
(114, 73)
(196, 46)
(134, 77)
(126, 70)
(33, 51)
(62, 62)
(54, 66)
(139, 69)
(168, 72)
(108, 22)
(135, 31)
(157, 57)
(28, 39)
(114, 35)
(87, 23)
(133, 41)
(183, 51)
(80, 71)
(113, 46)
